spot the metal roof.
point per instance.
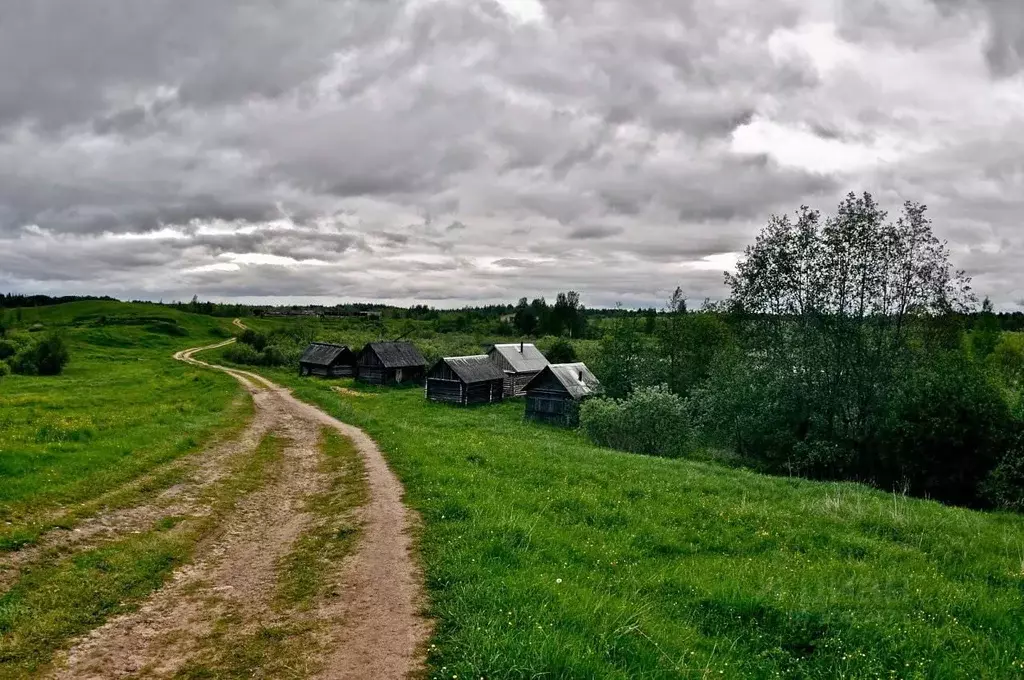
(397, 354)
(322, 353)
(529, 360)
(576, 378)
(474, 369)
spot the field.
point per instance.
(543, 555)
(547, 557)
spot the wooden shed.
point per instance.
(520, 362)
(328, 360)
(554, 394)
(390, 363)
(465, 381)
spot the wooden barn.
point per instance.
(390, 363)
(554, 394)
(466, 381)
(520, 362)
(327, 360)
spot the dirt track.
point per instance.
(373, 628)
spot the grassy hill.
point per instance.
(122, 407)
(548, 557)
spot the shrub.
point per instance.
(7, 349)
(651, 420)
(253, 339)
(167, 328)
(1004, 486)
(243, 353)
(561, 352)
(4, 369)
(51, 355)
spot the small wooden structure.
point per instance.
(328, 360)
(465, 381)
(554, 394)
(520, 362)
(390, 363)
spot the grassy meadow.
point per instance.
(548, 557)
(121, 409)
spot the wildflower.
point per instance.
(558, 580)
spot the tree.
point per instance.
(525, 320)
(985, 335)
(833, 315)
(567, 315)
(561, 352)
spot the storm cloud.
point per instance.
(452, 151)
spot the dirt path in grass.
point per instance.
(371, 628)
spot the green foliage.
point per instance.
(47, 356)
(5, 370)
(626, 360)
(1004, 486)
(651, 420)
(7, 349)
(561, 352)
(986, 332)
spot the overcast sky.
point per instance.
(453, 151)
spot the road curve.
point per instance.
(383, 633)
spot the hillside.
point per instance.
(121, 407)
(546, 555)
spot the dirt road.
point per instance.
(371, 628)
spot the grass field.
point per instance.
(122, 408)
(548, 557)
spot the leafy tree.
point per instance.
(561, 352)
(986, 333)
(525, 320)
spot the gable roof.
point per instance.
(527, 361)
(322, 353)
(474, 369)
(576, 378)
(397, 354)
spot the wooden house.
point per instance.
(390, 363)
(555, 393)
(465, 381)
(328, 360)
(520, 362)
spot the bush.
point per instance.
(167, 328)
(243, 353)
(7, 349)
(48, 356)
(1004, 486)
(4, 369)
(253, 339)
(561, 352)
(651, 420)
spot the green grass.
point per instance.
(548, 557)
(122, 408)
(59, 599)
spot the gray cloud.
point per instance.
(438, 151)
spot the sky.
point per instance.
(451, 152)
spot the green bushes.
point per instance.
(29, 356)
(650, 420)
(4, 369)
(561, 352)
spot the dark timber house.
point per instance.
(554, 395)
(327, 360)
(466, 381)
(390, 363)
(520, 362)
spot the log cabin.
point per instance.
(520, 362)
(555, 393)
(465, 381)
(327, 360)
(390, 363)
